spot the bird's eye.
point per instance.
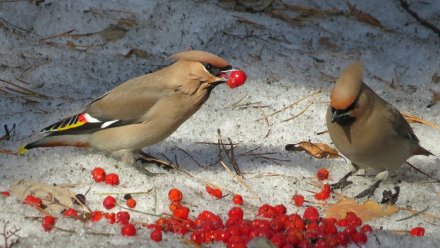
(208, 67)
(212, 69)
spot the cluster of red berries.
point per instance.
(99, 175)
(273, 222)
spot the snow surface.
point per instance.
(284, 62)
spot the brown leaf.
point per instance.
(138, 53)
(435, 78)
(363, 17)
(366, 211)
(317, 150)
(434, 99)
(54, 197)
(71, 44)
(325, 42)
(415, 119)
(113, 32)
(285, 17)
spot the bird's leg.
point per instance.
(343, 182)
(147, 158)
(381, 176)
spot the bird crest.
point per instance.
(200, 56)
(347, 86)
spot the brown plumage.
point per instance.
(142, 111)
(365, 128)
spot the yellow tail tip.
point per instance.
(22, 150)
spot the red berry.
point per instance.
(175, 195)
(181, 212)
(236, 78)
(98, 174)
(298, 200)
(5, 193)
(311, 214)
(48, 223)
(353, 220)
(33, 201)
(96, 216)
(321, 244)
(236, 213)
(131, 203)
(216, 192)
(112, 179)
(174, 205)
(237, 199)
(128, 230)
(342, 239)
(322, 174)
(122, 217)
(267, 211)
(359, 238)
(109, 202)
(197, 237)
(70, 212)
(366, 228)
(111, 217)
(418, 231)
(280, 209)
(278, 239)
(324, 194)
(156, 235)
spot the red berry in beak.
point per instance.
(236, 79)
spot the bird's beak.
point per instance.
(340, 115)
(225, 74)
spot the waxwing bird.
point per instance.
(366, 129)
(145, 110)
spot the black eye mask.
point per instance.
(215, 70)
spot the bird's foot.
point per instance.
(147, 158)
(369, 191)
(343, 182)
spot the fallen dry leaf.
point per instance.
(138, 53)
(363, 17)
(54, 197)
(317, 150)
(434, 99)
(366, 211)
(280, 14)
(115, 32)
(325, 42)
(415, 119)
(435, 78)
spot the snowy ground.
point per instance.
(285, 60)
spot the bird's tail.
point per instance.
(422, 151)
(59, 140)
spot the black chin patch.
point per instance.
(345, 120)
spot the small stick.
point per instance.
(301, 112)
(291, 105)
(191, 157)
(240, 180)
(423, 22)
(414, 215)
(421, 172)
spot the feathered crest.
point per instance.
(347, 86)
(200, 56)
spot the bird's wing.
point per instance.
(400, 125)
(121, 106)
